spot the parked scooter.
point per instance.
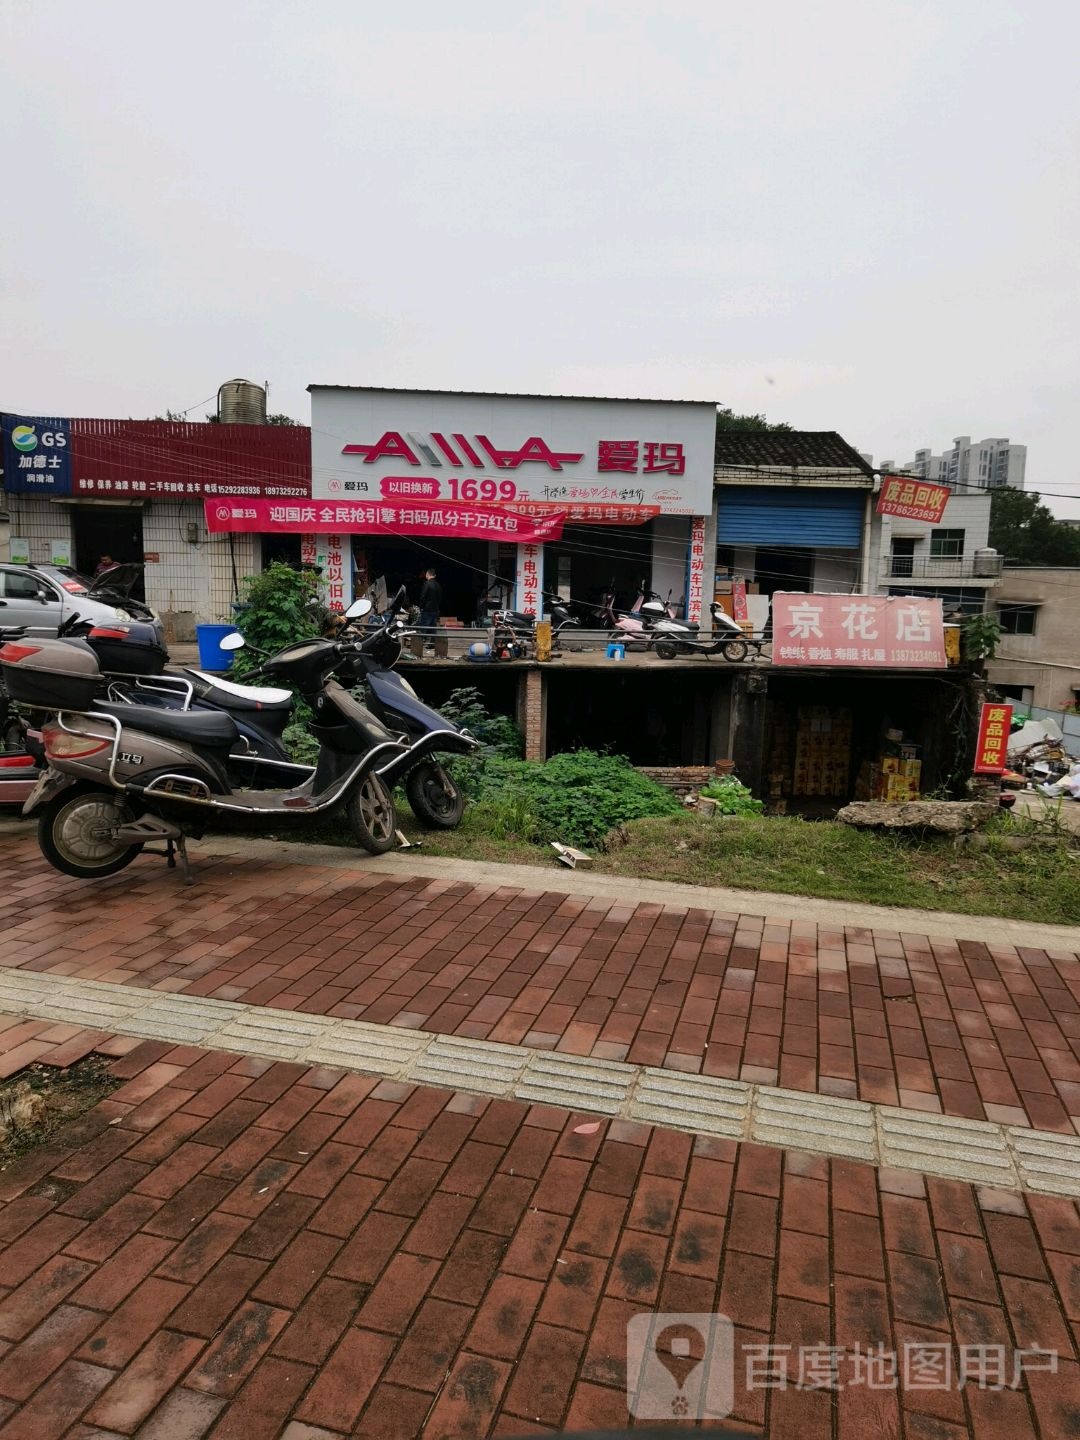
(728, 639)
(650, 614)
(514, 631)
(122, 776)
(18, 765)
(433, 797)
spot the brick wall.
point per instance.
(532, 713)
(680, 778)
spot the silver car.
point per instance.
(44, 597)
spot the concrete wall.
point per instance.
(836, 570)
(670, 539)
(1047, 662)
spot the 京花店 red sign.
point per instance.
(991, 751)
(912, 499)
(896, 632)
(469, 522)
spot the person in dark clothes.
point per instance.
(430, 606)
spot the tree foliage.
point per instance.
(1023, 529)
(726, 419)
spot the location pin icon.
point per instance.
(680, 1349)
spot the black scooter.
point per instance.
(434, 798)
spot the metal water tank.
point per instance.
(242, 402)
(986, 563)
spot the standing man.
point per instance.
(104, 565)
(430, 606)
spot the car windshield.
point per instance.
(71, 580)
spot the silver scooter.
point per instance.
(121, 776)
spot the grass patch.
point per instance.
(824, 859)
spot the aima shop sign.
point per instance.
(608, 461)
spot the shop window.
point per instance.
(946, 544)
(1017, 619)
(903, 556)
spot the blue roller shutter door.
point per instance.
(768, 515)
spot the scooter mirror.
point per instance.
(358, 609)
(235, 641)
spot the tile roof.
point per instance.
(788, 449)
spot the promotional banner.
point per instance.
(891, 631)
(445, 446)
(138, 459)
(465, 522)
(993, 743)
(912, 499)
(37, 455)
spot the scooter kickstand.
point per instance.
(185, 863)
(170, 854)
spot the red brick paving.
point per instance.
(960, 1027)
(363, 1258)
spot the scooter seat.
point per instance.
(231, 696)
(197, 727)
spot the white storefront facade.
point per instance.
(541, 493)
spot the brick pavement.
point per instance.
(235, 1247)
(984, 1031)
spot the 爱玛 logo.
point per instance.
(24, 438)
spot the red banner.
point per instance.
(892, 631)
(991, 752)
(574, 514)
(460, 522)
(912, 499)
(739, 610)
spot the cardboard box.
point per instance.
(911, 769)
(890, 765)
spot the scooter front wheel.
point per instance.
(736, 650)
(371, 814)
(434, 798)
(77, 834)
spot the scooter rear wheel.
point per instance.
(371, 814)
(666, 650)
(434, 798)
(74, 833)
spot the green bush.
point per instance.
(732, 797)
(281, 605)
(499, 738)
(576, 798)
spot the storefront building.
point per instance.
(793, 512)
(514, 497)
(78, 489)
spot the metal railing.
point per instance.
(909, 567)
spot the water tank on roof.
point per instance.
(242, 402)
(987, 563)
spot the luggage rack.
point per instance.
(162, 684)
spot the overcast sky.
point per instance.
(852, 216)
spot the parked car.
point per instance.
(43, 597)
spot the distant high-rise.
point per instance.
(973, 465)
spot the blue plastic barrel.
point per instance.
(211, 655)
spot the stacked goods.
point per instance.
(780, 748)
(822, 751)
(895, 775)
